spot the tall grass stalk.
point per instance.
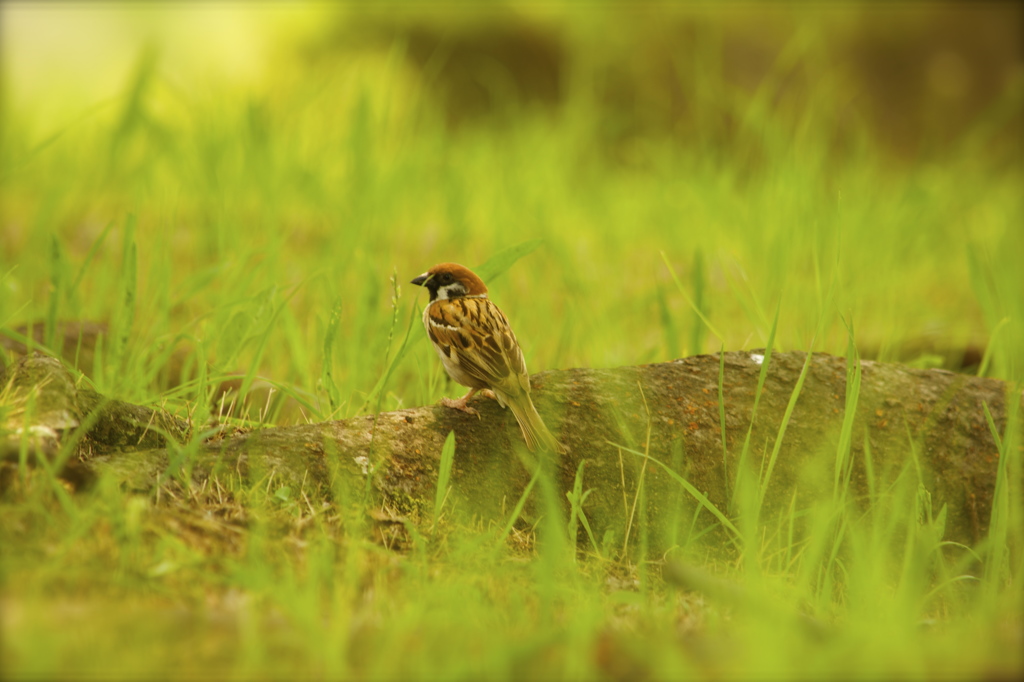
(577, 515)
(444, 473)
(777, 445)
(742, 475)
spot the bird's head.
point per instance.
(450, 280)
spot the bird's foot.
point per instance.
(459, 404)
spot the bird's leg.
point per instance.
(460, 403)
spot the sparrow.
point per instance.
(478, 348)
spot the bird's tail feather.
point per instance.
(534, 430)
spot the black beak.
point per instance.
(421, 280)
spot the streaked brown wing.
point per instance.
(476, 335)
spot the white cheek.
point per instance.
(444, 293)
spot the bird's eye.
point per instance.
(446, 277)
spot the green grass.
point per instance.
(271, 234)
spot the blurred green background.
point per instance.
(309, 151)
(222, 182)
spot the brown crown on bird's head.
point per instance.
(451, 280)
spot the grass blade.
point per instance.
(327, 372)
(444, 474)
(378, 388)
(518, 509)
(697, 495)
(696, 309)
(250, 374)
(124, 317)
(496, 265)
(741, 465)
(721, 413)
(853, 372)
